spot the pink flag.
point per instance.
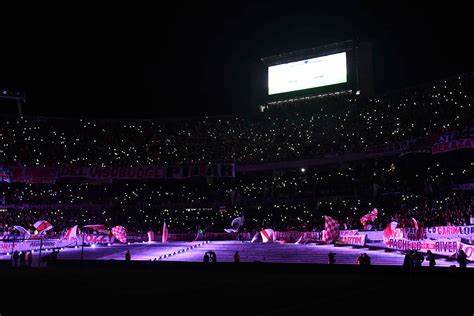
(120, 233)
(417, 228)
(389, 232)
(369, 217)
(331, 229)
(415, 223)
(164, 238)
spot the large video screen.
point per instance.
(306, 74)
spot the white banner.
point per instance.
(449, 231)
(446, 247)
(434, 232)
(357, 240)
(34, 244)
(351, 237)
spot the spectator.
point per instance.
(462, 259)
(212, 254)
(408, 261)
(16, 256)
(29, 258)
(22, 259)
(367, 260)
(431, 259)
(361, 260)
(236, 257)
(331, 258)
(54, 255)
(417, 259)
(128, 256)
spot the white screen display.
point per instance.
(308, 73)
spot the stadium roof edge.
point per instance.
(306, 51)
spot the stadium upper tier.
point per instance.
(309, 129)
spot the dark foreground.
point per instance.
(154, 288)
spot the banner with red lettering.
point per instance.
(302, 237)
(102, 175)
(411, 233)
(98, 239)
(448, 231)
(351, 237)
(444, 246)
(458, 144)
(34, 244)
(454, 140)
(33, 174)
(108, 173)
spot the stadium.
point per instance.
(328, 191)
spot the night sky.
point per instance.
(203, 59)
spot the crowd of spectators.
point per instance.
(309, 129)
(400, 187)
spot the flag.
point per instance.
(151, 236)
(331, 229)
(164, 237)
(417, 228)
(415, 223)
(42, 226)
(120, 233)
(71, 233)
(199, 233)
(389, 232)
(236, 223)
(24, 234)
(268, 235)
(369, 217)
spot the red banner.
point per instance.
(452, 145)
(102, 173)
(33, 174)
(98, 239)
